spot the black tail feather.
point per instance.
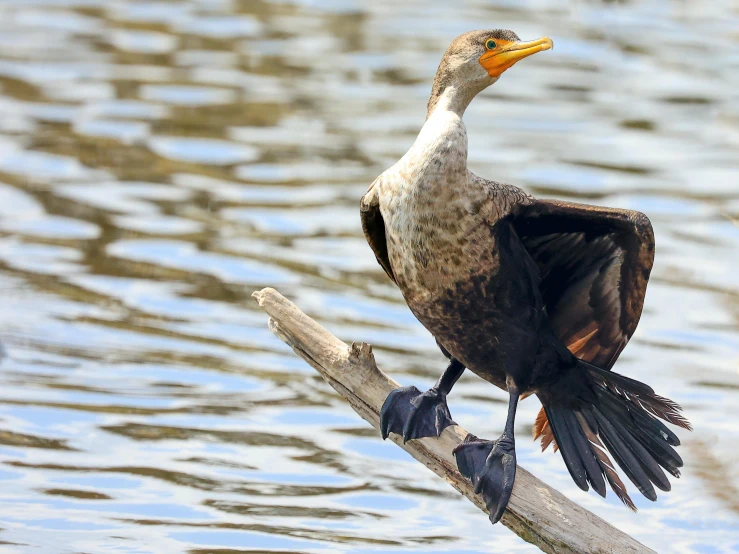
(567, 446)
(639, 394)
(605, 462)
(647, 430)
(619, 417)
(623, 456)
(588, 457)
(581, 461)
(633, 439)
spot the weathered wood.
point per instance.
(536, 512)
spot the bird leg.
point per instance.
(413, 415)
(491, 465)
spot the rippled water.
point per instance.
(161, 160)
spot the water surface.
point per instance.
(159, 161)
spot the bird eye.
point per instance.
(490, 44)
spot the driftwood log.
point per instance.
(536, 512)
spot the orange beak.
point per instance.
(502, 57)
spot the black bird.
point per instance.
(535, 296)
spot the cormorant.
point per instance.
(534, 296)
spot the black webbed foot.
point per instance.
(491, 466)
(413, 415)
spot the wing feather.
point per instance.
(595, 264)
(373, 226)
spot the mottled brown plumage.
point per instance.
(534, 296)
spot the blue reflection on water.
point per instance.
(239, 539)
(100, 482)
(379, 501)
(378, 449)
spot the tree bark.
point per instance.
(536, 512)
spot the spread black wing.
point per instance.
(595, 263)
(374, 229)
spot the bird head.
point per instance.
(475, 60)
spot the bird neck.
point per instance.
(441, 145)
(454, 98)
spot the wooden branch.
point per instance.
(536, 512)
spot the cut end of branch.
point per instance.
(259, 295)
(362, 352)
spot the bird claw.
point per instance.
(491, 466)
(414, 415)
